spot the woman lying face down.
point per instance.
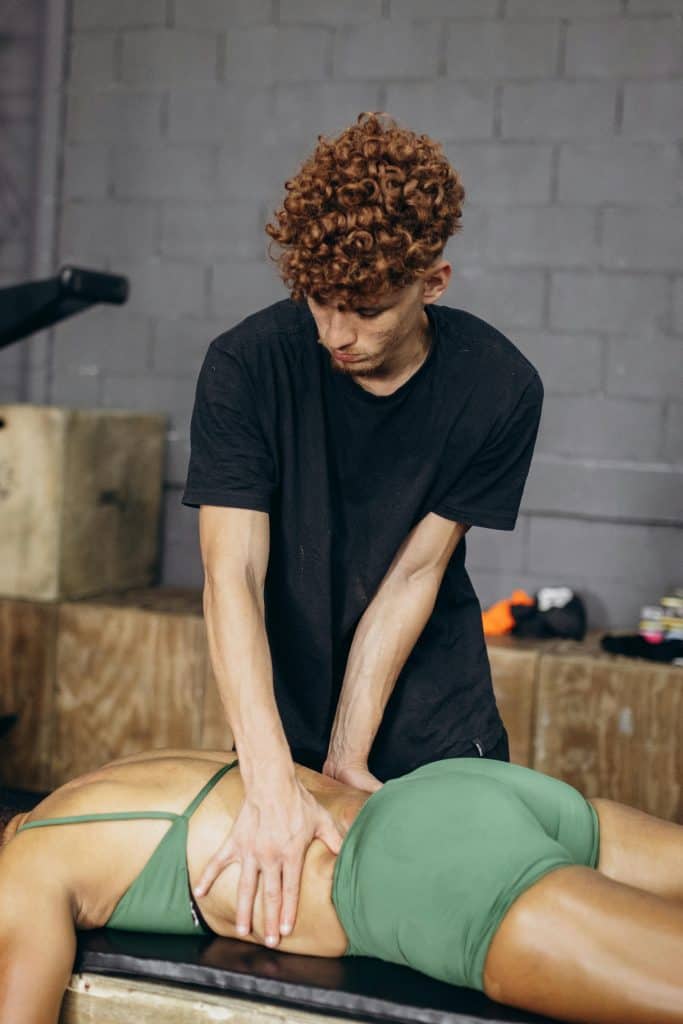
(475, 872)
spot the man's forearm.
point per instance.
(240, 656)
(387, 633)
(385, 636)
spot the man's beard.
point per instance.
(353, 370)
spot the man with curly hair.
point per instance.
(343, 442)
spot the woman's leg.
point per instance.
(582, 947)
(638, 849)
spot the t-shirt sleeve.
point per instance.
(231, 463)
(489, 490)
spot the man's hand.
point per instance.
(356, 775)
(270, 836)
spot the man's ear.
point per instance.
(436, 281)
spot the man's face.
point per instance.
(376, 337)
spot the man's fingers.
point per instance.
(246, 893)
(269, 839)
(330, 834)
(272, 902)
(291, 882)
(216, 865)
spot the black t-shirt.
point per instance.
(345, 475)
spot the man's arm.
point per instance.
(384, 637)
(279, 818)
(235, 546)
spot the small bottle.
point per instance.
(651, 626)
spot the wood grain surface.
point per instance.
(113, 466)
(514, 673)
(80, 497)
(613, 727)
(127, 680)
(31, 479)
(215, 731)
(27, 682)
(93, 997)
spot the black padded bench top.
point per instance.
(355, 987)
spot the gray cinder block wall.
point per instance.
(20, 50)
(565, 117)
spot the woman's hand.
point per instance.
(356, 775)
(271, 834)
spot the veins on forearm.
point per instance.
(385, 636)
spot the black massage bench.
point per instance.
(360, 988)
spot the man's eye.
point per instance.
(367, 314)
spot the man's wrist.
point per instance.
(350, 755)
(263, 774)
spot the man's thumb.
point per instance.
(330, 835)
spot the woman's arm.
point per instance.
(37, 938)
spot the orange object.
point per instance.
(498, 619)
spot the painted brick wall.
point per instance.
(565, 117)
(20, 34)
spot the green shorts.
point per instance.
(435, 859)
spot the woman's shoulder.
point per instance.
(154, 780)
(29, 872)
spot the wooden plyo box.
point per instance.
(94, 997)
(95, 680)
(80, 496)
(28, 641)
(514, 671)
(611, 726)
(133, 673)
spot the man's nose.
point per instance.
(339, 331)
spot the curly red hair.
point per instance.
(368, 212)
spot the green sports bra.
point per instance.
(160, 899)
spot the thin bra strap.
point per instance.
(205, 790)
(77, 819)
